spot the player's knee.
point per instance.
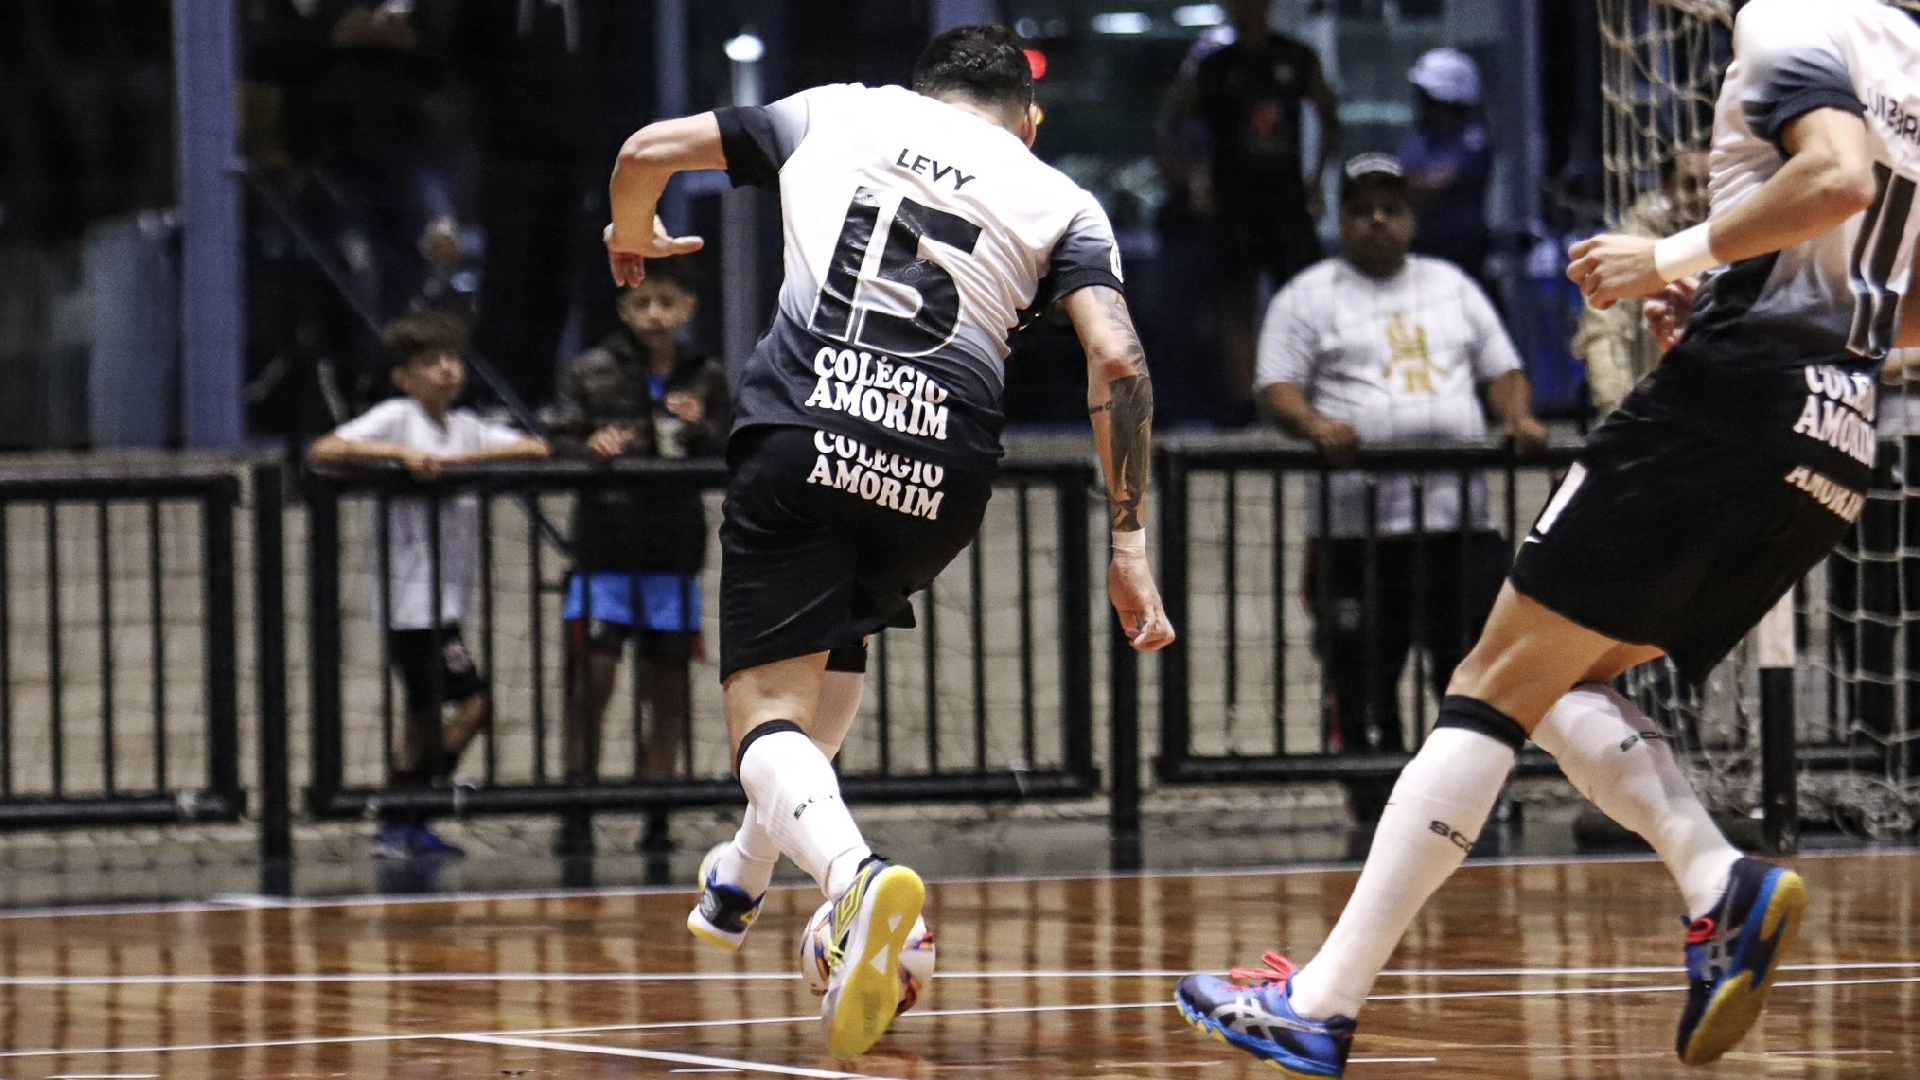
(761, 731)
(1469, 674)
(1472, 714)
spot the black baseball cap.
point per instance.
(1371, 170)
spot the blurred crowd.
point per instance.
(436, 154)
(1245, 197)
(451, 155)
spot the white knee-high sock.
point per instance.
(747, 863)
(1619, 760)
(792, 789)
(1438, 805)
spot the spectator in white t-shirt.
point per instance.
(1377, 347)
(424, 432)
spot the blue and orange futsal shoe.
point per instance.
(1732, 953)
(1250, 1009)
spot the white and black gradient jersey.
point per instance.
(1782, 349)
(916, 235)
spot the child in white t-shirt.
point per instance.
(424, 432)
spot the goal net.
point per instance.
(1855, 653)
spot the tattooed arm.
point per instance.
(1119, 399)
(1120, 402)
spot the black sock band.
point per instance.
(767, 728)
(1472, 714)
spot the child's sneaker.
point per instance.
(392, 842)
(428, 843)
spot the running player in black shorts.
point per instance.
(918, 228)
(1719, 483)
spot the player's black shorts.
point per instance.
(1664, 537)
(821, 547)
(415, 653)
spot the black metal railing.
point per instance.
(1239, 529)
(941, 698)
(109, 713)
(119, 678)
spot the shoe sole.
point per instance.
(697, 924)
(1206, 1026)
(867, 1001)
(1736, 1003)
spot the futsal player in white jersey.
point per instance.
(918, 228)
(1718, 483)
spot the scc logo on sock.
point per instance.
(802, 808)
(1632, 741)
(1441, 828)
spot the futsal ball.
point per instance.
(916, 957)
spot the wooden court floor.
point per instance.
(1538, 970)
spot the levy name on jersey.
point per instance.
(915, 237)
(1783, 350)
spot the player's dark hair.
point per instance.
(984, 64)
(420, 332)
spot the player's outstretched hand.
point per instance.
(1668, 311)
(1613, 267)
(627, 257)
(1137, 600)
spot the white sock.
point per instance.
(793, 791)
(1618, 759)
(747, 863)
(1438, 805)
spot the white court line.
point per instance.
(663, 1055)
(249, 901)
(402, 978)
(673, 1025)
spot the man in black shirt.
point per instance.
(1231, 134)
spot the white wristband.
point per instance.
(1133, 541)
(1684, 254)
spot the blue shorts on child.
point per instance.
(640, 601)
